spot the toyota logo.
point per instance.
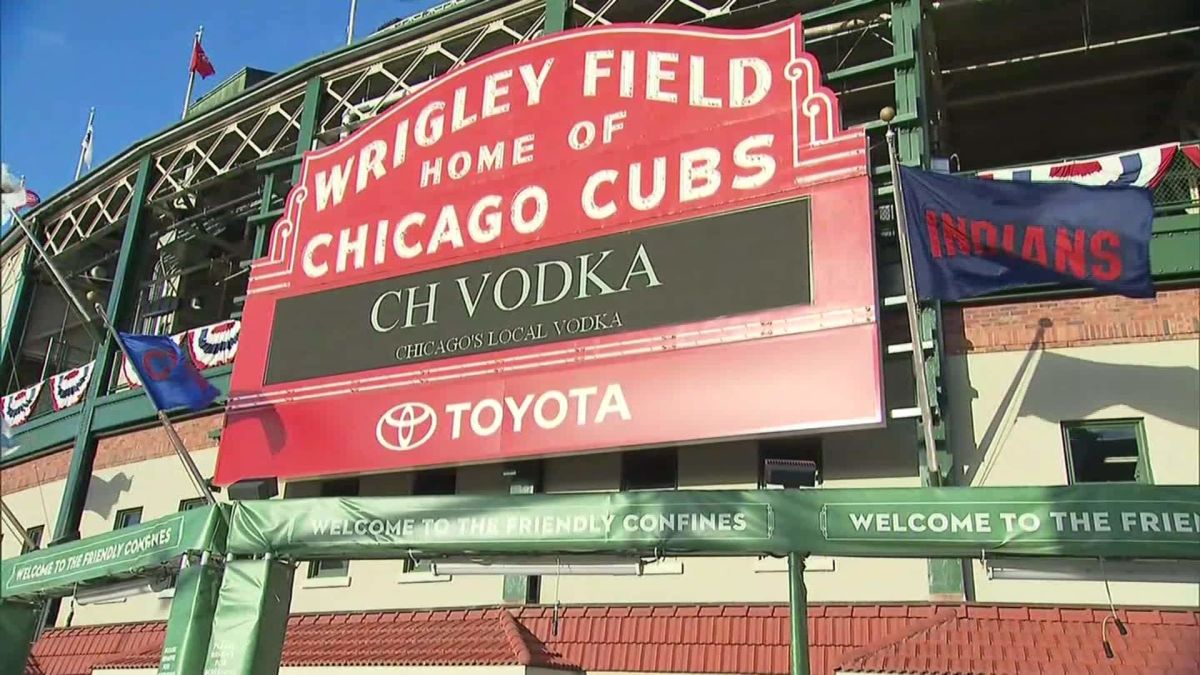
(406, 426)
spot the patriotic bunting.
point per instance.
(206, 347)
(214, 345)
(69, 388)
(1141, 168)
(18, 406)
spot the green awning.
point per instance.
(120, 554)
(1135, 521)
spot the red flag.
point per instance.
(31, 198)
(200, 63)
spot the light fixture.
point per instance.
(1090, 569)
(530, 566)
(121, 590)
(791, 473)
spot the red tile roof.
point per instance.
(910, 639)
(478, 637)
(979, 640)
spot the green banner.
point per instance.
(251, 618)
(18, 624)
(190, 624)
(113, 555)
(1083, 521)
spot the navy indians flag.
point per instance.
(972, 237)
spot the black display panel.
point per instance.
(680, 273)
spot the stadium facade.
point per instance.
(1048, 387)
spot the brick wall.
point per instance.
(1075, 322)
(136, 446)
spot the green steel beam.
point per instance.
(556, 16)
(120, 299)
(14, 327)
(945, 575)
(840, 8)
(308, 121)
(888, 63)
(262, 221)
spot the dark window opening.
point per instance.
(1108, 451)
(189, 504)
(34, 535)
(656, 469)
(435, 482)
(128, 518)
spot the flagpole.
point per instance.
(910, 302)
(187, 98)
(54, 271)
(350, 28)
(87, 140)
(176, 442)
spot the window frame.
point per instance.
(1142, 473)
(192, 503)
(122, 513)
(35, 533)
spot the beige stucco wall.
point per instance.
(1008, 432)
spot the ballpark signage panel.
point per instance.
(611, 237)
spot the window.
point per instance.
(435, 482)
(427, 484)
(189, 504)
(656, 469)
(345, 487)
(1106, 451)
(803, 448)
(128, 518)
(34, 534)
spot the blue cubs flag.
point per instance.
(167, 373)
(971, 237)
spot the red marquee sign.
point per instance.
(606, 238)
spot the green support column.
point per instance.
(798, 614)
(120, 301)
(945, 575)
(524, 478)
(14, 326)
(189, 628)
(556, 16)
(308, 121)
(250, 622)
(308, 125)
(18, 625)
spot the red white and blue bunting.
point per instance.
(214, 345)
(19, 405)
(69, 388)
(208, 347)
(1143, 168)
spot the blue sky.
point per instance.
(129, 59)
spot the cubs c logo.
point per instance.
(158, 364)
(406, 426)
